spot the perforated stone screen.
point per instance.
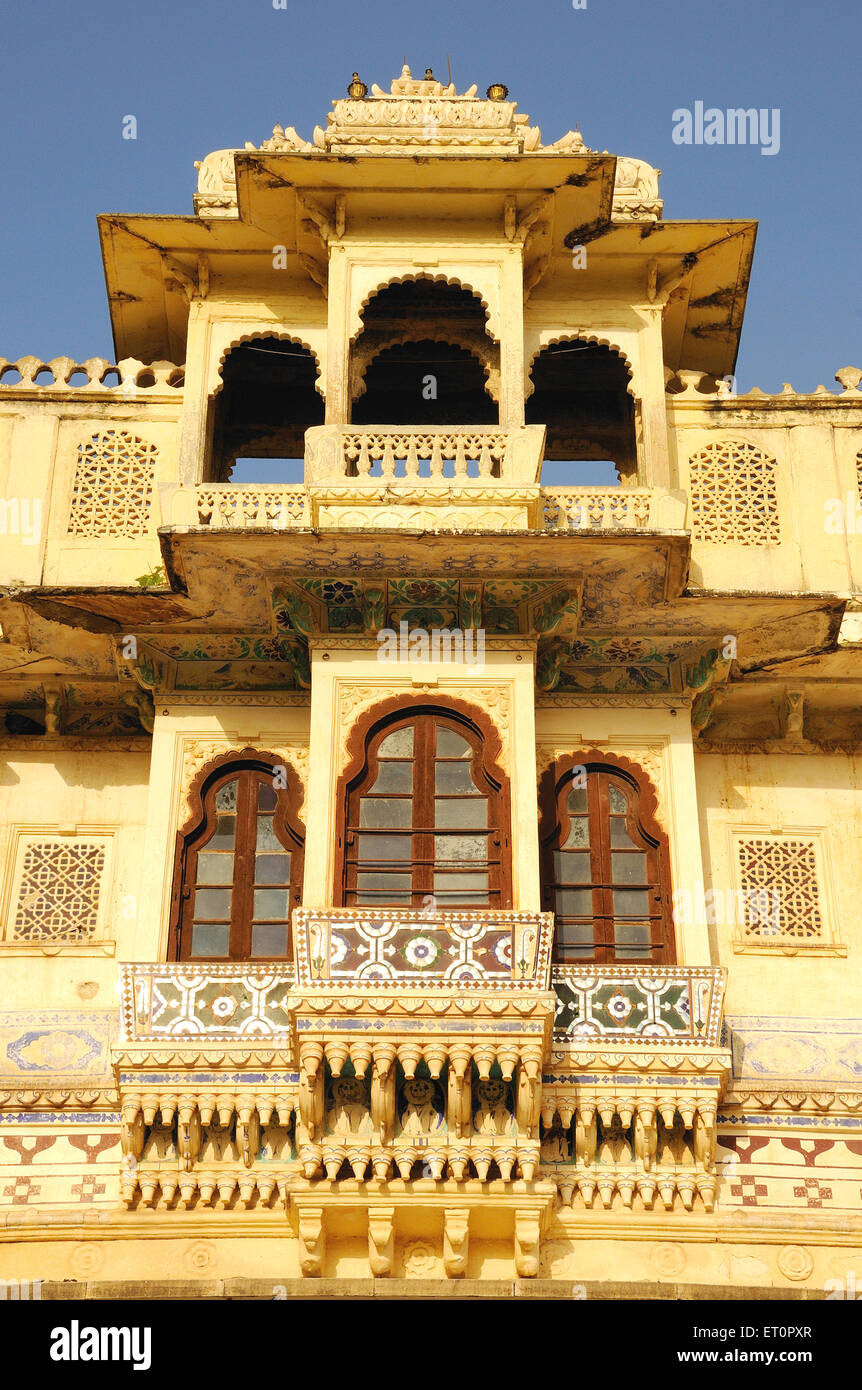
(778, 877)
(112, 491)
(56, 896)
(733, 494)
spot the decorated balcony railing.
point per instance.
(631, 1090)
(396, 947)
(96, 374)
(612, 509)
(409, 1048)
(422, 455)
(650, 1005)
(239, 506)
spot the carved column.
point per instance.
(512, 338)
(654, 465)
(456, 1241)
(381, 1240)
(337, 345)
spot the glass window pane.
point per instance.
(620, 838)
(266, 836)
(397, 745)
(379, 847)
(212, 904)
(579, 833)
(458, 847)
(380, 882)
(394, 777)
(577, 801)
(387, 814)
(631, 902)
(272, 868)
(210, 941)
(632, 940)
(451, 745)
(572, 867)
(269, 941)
(628, 868)
(460, 883)
(460, 814)
(617, 800)
(266, 797)
(215, 868)
(369, 899)
(226, 797)
(271, 903)
(454, 777)
(632, 932)
(574, 902)
(454, 900)
(575, 934)
(224, 833)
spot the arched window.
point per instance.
(239, 862)
(424, 811)
(605, 863)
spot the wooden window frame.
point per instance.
(199, 829)
(643, 829)
(361, 772)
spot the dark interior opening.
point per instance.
(266, 404)
(581, 397)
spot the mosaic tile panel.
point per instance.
(650, 1004)
(387, 947)
(243, 1002)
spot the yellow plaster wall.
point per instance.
(68, 791)
(185, 737)
(787, 794)
(659, 740)
(346, 683)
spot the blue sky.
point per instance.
(203, 76)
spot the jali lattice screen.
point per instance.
(57, 893)
(780, 889)
(733, 494)
(113, 489)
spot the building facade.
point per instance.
(442, 868)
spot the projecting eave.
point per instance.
(146, 259)
(701, 268)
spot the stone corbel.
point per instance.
(528, 1230)
(189, 1136)
(586, 1134)
(178, 278)
(55, 706)
(510, 217)
(527, 1105)
(459, 1109)
(792, 715)
(383, 1092)
(456, 1241)
(318, 217)
(316, 272)
(312, 1242)
(311, 1091)
(531, 215)
(381, 1240)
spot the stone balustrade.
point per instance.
(426, 454)
(612, 509)
(65, 373)
(239, 506)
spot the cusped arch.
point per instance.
(574, 336)
(360, 363)
(357, 322)
(248, 339)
